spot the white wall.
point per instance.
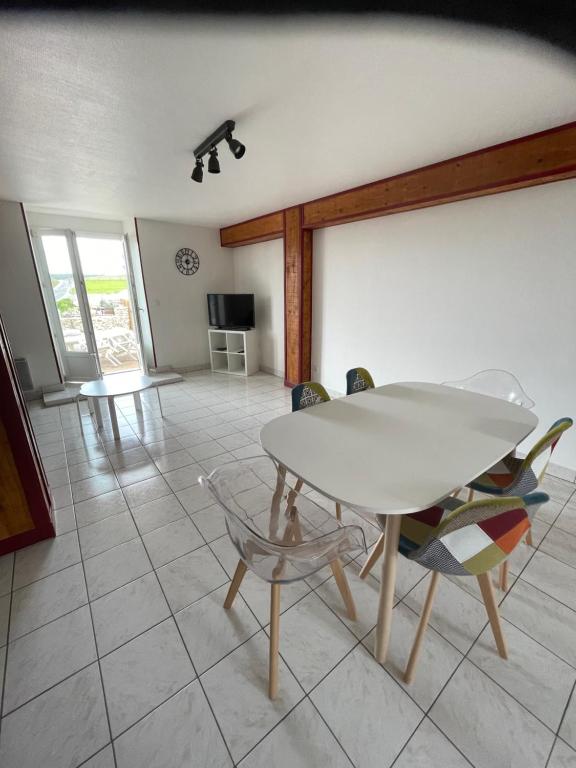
(20, 299)
(177, 303)
(441, 293)
(259, 269)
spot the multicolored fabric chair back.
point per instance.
(513, 476)
(467, 539)
(358, 379)
(307, 394)
(549, 441)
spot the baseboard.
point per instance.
(188, 368)
(272, 371)
(562, 472)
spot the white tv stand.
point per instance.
(233, 351)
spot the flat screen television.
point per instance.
(231, 310)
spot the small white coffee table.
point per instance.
(110, 387)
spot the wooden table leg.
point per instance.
(387, 584)
(113, 419)
(137, 401)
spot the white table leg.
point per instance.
(97, 411)
(137, 401)
(387, 584)
(113, 419)
(79, 414)
(159, 402)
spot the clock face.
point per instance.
(187, 261)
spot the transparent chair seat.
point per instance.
(279, 533)
(495, 382)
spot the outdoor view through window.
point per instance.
(107, 299)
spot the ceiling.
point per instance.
(101, 116)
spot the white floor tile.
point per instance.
(144, 673)
(180, 733)
(535, 677)
(157, 513)
(6, 569)
(46, 656)
(194, 499)
(237, 688)
(568, 727)
(175, 460)
(99, 508)
(104, 759)
(128, 611)
(191, 577)
(489, 726)
(313, 640)
(562, 756)
(45, 557)
(59, 729)
(46, 600)
(89, 469)
(108, 533)
(135, 473)
(147, 490)
(93, 486)
(553, 577)
(64, 520)
(302, 739)
(429, 748)
(374, 736)
(211, 632)
(115, 567)
(171, 541)
(560, 544)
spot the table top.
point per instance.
(399, 448)
(117, 384)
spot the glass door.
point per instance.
(110, 301)
(66, 303)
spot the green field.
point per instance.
(106, 284)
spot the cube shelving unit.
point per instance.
(233, 351)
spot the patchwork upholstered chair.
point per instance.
(305, 395)
(357, 380)
(495, 382)
(515, 477)
(465, 539)
(280, 535)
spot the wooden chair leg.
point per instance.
(421, 631)
(504, 576)
(344, 587)
(492, 610)
(529, 539)
(377, 550)
(338, 512)
(235, 584)
(470, 495)
(274, 640)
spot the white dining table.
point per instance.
(393, 450)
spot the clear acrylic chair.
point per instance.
(280, 535)
(495, 382)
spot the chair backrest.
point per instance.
(477, 536)
(357, 380)
(495, 382)
(547, 443)
(307, 394)
(279, 534)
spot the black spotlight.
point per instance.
(198, 173)
(213, 164)
(236, 147)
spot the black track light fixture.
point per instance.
(236, 147)
(208, 147)
(213, 163)
(198, 172)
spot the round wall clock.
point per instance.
(187, 261)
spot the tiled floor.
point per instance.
(115, 649)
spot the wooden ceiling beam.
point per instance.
(258, 230)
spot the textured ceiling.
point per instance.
(102, 116)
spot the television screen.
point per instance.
(231, 310)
